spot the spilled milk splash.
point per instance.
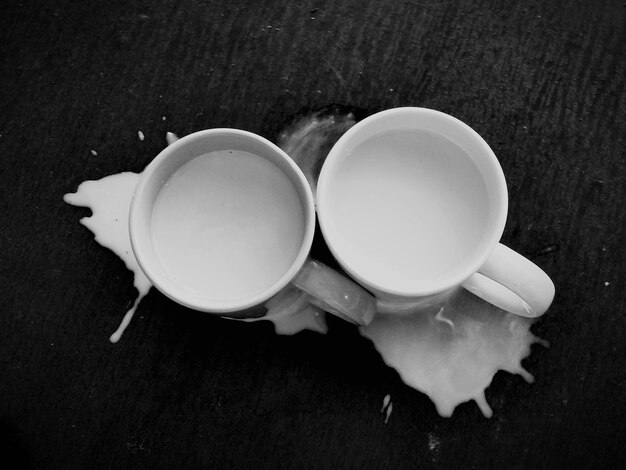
(450, 352)
(109, 200)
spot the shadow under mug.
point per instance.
(412, 203)
(223, 220)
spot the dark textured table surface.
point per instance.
(543, 83)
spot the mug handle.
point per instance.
(513, 283)
(335, 293)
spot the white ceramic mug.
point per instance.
(412, 203)
(223, 220)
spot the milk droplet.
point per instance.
(387, 407)
(171, 138)
(140, 135)
(386, 401)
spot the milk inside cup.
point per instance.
(223, 220)
(412, 203)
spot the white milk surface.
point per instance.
(227, 225)
(406, 207)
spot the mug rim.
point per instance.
(141, 234)
(422, 288)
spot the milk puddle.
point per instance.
(451, 353)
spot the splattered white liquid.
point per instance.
(227, 225)
(387, 407)
(109, 200)
(451, 353)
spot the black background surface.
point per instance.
(541, 81)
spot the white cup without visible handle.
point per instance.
(412, 203)
(223, 220)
